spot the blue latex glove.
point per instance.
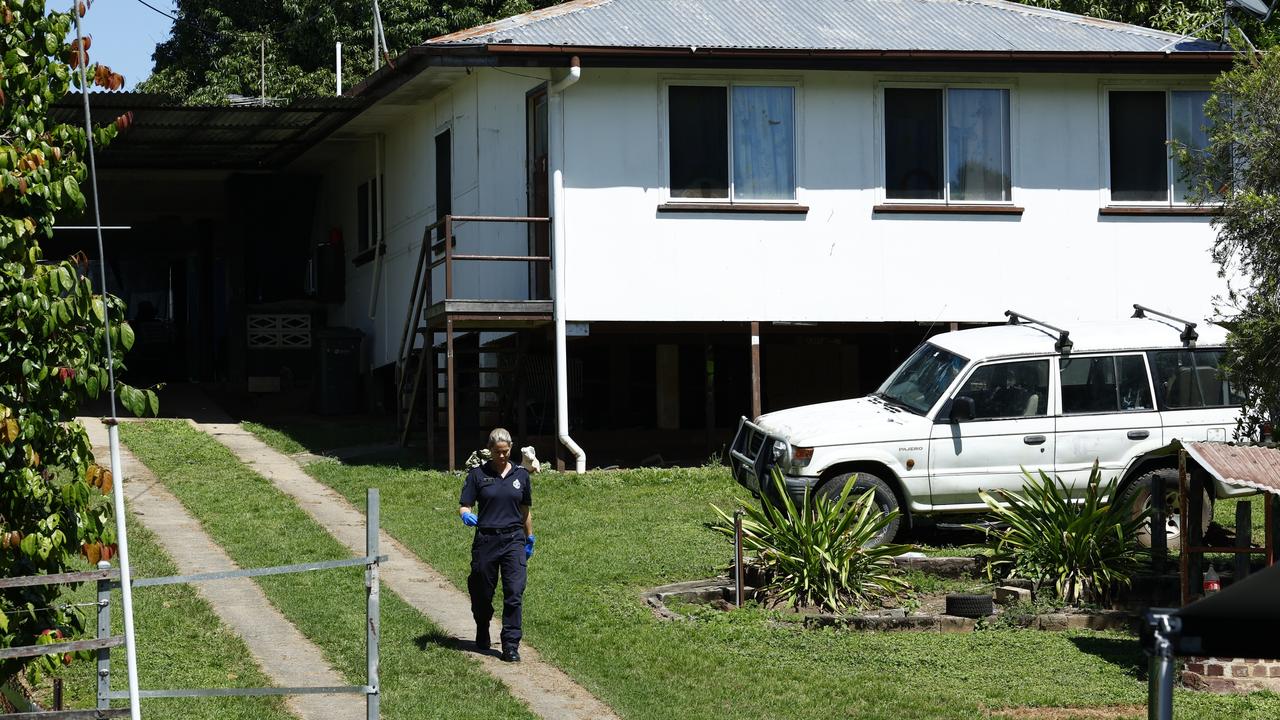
(528, 547)
(469, 519)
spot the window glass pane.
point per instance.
(1188, 125)
(698, 123)
(1139, 157)
(1017, 389)
(1135, 391)
(1191, 379)
(913, 144)
(978, 144)
(1089, 385)
(764, 143)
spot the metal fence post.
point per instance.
(739, 573)
(104, 631)
(371, 582)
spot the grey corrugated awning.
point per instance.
(1253, 466)
(163, 133)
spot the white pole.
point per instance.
(263, 57)
(113, 436)
(338, 52)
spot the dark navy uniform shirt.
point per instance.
(500, 497)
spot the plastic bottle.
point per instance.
(1212, 583)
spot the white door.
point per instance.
(1107, 416)
(1011, 429)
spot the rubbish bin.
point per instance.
(339, 375)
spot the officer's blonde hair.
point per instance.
(499, 435)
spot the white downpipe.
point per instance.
(337, 51)
(555, 112)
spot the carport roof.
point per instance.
(166, 134)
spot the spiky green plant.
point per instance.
(817, 554)
(1084, 549)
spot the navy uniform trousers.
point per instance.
(493, 553)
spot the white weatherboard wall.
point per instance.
(485, 115)
(1059, 261)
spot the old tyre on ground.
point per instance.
(969, 606)
(885, 499)
(1137, 496)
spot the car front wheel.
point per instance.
(885, 499)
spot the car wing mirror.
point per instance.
(962, 408)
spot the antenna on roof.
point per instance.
(1189, 334)
(1257, 8)
(1063, 345)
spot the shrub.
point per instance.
(816, 554)
(1084, 549)
(53, 503)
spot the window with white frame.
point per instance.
(948, 144)
(1143, 127)
(731, 142)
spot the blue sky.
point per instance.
(125, 33)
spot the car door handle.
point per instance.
(1139, 434)
(1033, 439)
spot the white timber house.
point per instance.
(751, 205)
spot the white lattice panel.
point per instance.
(279, 331)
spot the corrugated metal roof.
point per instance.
(165, 133)
(1252, 466)
(821, 25)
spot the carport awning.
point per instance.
(166, 134)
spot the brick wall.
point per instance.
(1227, 675)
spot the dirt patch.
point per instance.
(1059, 713)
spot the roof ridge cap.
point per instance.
(1078, 19)
(516, 21)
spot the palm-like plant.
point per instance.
(1084, 549)
(816, 554)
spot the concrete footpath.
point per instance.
(285, 655)
(548, 691)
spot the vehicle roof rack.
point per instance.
(1189, 334)
(1063, 345)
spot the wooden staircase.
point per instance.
(490, 388)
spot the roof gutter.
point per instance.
(556, 141)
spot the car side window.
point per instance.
(1108, 383)
(1009, 390)
(1188, 379)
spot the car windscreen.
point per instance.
(920, 381)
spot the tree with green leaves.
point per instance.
(216, 47)
(1203, 17)
(53, 504)
(1240, 172)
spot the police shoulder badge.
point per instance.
(515, 483)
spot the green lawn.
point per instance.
(180, 644)
(606, 536)
(258, 526)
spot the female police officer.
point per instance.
(503, 540)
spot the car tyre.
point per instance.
(1137, 496)
(969, 606)
(885, 498)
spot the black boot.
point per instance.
(482, 637)
(511, 653)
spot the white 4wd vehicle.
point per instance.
(970, 409)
